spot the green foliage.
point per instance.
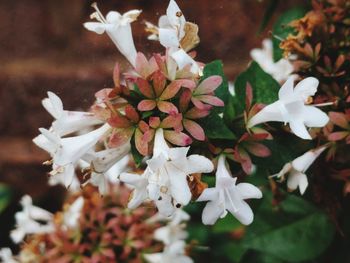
(281, 29)
(5, 197)
(270, 10)
(265, 88)
(216, 68)
(215, 127)
(135, 153)
(294, 232)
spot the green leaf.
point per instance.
(281, 29)
(296, 231)
(216, 68)
(271, 8)
(284, 148)
(226, 224)
(135, 153)
(215, 127)
(5, 197)
(229, 111)
(265, 88)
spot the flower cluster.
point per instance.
(163, 126)
(111, 233)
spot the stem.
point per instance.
(324, 104)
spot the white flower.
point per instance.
(279, 70)
(297, 168)
(72, 214)
(118, 28)
(226, 195)
(170, 32)
(6, 256)
(67, 122)
(165, 179)
(27, 220)
(103, 161)
(174, 253)
(178, 217)
(66, 152)
(291, 108)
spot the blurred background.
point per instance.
(44, 47)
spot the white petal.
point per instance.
(199, 164)
(168, 37)
(244, 214)
(17, 235)
(123, 39)
(154, 258)
(180, 190)
(314, 117)
(248, 191)
(42, 142)
(303, 162)
(131, 16)
(299, 129)
(211, 213)
(172, 12)
(306, 88)
(160, 145)
(96, 27)
(53, 104)
(132, 179)
(113, 17)
(222, 171)
(164, 22)
(294, 179)
(286, 91)
(183, 59)
(208, 194)
(164, 205)
(178, 152)
(272, 112)
(100, 181)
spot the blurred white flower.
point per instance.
(72, 214)
(67, 122)
(27, 220)
(165, 179)
(174, 253)
(279, 70)
(6, 256)
(118, 28)
(226, 195)
(66, 152)
(291, 108)
(297, 168)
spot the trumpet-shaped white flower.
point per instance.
(227, 196)
(67, 122)
(72, 214)
(297, 168)
(165, 179)
(6, 256)
(170, 32)
(279, 70)
(291, 108)
(118, 28)
(174, 253)
(66, 152)
(103, 161)
(27, 220)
